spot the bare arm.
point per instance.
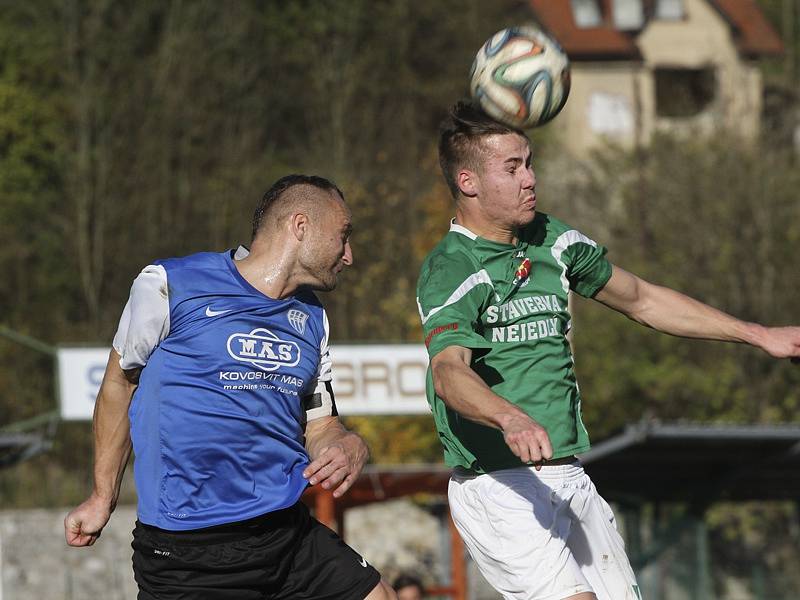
(337, 455)
(112, 447)
(677, 314)
(467, 394)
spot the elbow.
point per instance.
(640, 307)
(448, 369)
(438, 376)
(441, 373)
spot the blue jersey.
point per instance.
(217, 419)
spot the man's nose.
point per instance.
(530, 181)
(348, 255)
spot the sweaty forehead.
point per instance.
(502, 147)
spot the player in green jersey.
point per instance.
(492, 297)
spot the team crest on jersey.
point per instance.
(263, 349)
(297, 319)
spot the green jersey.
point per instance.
(516, 328)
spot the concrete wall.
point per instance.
(36, 563)
(703, 39)
(606, 103)
(615, 100)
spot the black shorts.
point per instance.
(284, 555)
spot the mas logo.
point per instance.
(263, 349)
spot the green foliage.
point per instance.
(400, 439)
(719, 221)
(130, 131)
(784, 16)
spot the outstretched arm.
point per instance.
(466, 393)
(112, 447)
(671, 312)
(337, 455)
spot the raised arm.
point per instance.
(467, 394)
(677, 314)
(112, 447)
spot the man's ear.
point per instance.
(299, 225)
(467, 182)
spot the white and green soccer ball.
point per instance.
(520, 77)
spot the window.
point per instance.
(586, 13)
(628, 14)
(610, 114)
(671, 10)
(684, 92)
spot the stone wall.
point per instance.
(36, 564)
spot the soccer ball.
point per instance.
(520, 77)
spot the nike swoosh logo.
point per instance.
(363, 562)
(214, 313)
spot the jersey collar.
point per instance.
(462, 230)
(456, 228)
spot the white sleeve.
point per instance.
(145, 319)
(321, 403)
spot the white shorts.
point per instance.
(542, 535)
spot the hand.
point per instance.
(82, 526)
(781, 342)
(339, 463)
(527, 439)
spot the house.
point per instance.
(639, 66)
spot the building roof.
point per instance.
(753, 34)
(655, 462)
(584, 43)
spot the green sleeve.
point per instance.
(588, 269)
(452, 293)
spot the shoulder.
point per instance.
(310, 300)
(193, 261)
(307, 307)
(550, 232)
(451, 270)
(450, 258)
(544, 229)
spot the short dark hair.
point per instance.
(277, 189)
(405, 580)
(459, 139)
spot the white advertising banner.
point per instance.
(385, 379)
(80, 371)
(380, 380)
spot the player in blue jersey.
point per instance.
(220, 381)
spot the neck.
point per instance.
(270, 268)
(485, 229)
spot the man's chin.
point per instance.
(527, 218)
(328, 285)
